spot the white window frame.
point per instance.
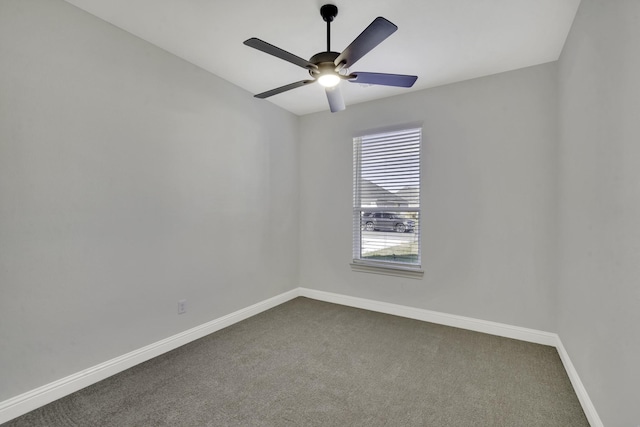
(360, 264)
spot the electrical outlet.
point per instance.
(182, 306)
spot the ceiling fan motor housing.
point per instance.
(324, 61)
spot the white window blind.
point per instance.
(386, 199)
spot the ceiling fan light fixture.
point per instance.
(329, 80)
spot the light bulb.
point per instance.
(329, 80)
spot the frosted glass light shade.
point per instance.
(329, 80)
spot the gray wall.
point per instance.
(599, 205)
(488, 177)
(129, 179)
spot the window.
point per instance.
(386, 202)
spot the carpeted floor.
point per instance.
(310, 363)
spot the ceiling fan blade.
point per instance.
(371, 37)
(336, 102)
(400, 80)
(284, 88)
(279, 53)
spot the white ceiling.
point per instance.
(440, 41)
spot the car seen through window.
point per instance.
(387, 221)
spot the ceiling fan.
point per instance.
(329, 68)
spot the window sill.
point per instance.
(389, 270)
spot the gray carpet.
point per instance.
(310, 363)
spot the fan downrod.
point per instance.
(328, 12)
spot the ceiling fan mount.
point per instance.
(330, 68)
(329, 12)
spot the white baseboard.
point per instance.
(492, 328)
(40, 396)
(21, 404)
(581, 392)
